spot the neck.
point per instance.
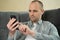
(35, 21)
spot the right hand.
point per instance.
(11, 26)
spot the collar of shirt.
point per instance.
(39, 22)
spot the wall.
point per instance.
(22, 5)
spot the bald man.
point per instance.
(36, 29)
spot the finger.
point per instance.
(20, 28)
(24, 32)
(23, 28)
(11, 21)
(20, 24)
(15, 28)
(14, 25)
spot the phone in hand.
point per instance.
(13, 16)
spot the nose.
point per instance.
(32, 13)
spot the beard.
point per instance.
(33, 19)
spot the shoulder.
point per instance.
(49, 24)
(46, 22)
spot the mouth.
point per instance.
(32, 16)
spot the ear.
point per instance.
(42, 11)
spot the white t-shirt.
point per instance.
(28, 37)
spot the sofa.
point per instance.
(52, 16)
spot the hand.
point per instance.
(11, 26)
(26, 30)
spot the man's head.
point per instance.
(35, 10)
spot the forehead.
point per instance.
(34, 5)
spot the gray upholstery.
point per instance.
(50, 15)
(4, 18)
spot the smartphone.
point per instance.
(13, 16)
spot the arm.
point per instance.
(17, 35)
(53, 34)
(10, 36)
(12, 28)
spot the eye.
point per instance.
(29, 10)
(35, 10)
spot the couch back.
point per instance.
(54, 17)
(4, 18)
(49, 15)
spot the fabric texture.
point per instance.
(45, 31)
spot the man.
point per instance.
(36, 29)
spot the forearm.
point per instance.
(41, 36)
(10, 37)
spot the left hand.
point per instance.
(26, 30)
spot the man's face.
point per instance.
(35, 12)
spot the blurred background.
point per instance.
(23, 5)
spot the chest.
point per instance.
(44, 29)
(41, 28)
